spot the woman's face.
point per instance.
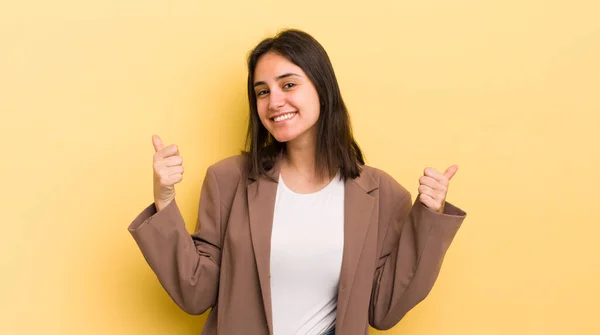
(287, 101)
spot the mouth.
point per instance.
(284, 117)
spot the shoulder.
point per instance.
(393, 199)
(228, 171)
(386, 184)
(230, 166)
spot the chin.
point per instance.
(284, 137)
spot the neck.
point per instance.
(300, 156)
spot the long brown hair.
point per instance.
(336, 147)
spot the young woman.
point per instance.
(296, 235)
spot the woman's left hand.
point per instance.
(433, 187)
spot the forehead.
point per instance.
(272, 65)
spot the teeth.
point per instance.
(284, 117)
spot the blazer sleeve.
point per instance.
(187, 266)
(416, 241)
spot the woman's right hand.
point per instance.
(168, 171)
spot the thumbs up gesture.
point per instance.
(433, 187)
(168, 171)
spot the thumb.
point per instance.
(157, 142)
(451, 171)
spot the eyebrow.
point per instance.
(285, 75)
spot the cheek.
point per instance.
(311, 110)
(307, 101)
(262, 108)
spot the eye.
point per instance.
(261, 93)
(289, 85)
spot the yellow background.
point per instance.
(508, 90)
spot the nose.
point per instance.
(276, 99)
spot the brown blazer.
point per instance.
(393, 251)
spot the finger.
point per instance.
(438, 196)
(175, 178)
(429, 202)
(171, 150)
(175, 170)
(451, 171)
(173, 161)
(167, 175)
(423, 189)
(434, 184)
(157, 143)
(163, 172)
(435, 174)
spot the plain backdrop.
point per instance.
(507, 90)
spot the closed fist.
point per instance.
(433, 187)
(168, 171)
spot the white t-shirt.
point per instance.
(306, 258)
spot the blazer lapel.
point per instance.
(261, 206)
(358, 212)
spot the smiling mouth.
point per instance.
(284, 117)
